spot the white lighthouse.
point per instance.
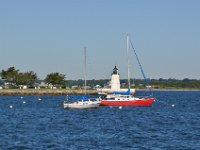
(115, 83)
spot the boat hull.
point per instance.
(79, 105)
(140, 102)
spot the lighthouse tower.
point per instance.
(115, 83)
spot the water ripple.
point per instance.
(43, 124)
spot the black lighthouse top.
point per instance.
(115, 71)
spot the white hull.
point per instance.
(81, 105)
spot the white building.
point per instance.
(115, 84)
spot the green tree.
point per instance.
(10, 74)
(15, 77)
(55, 79)
(27, 78)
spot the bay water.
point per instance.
(40, 122)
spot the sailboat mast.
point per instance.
(128, 58)
(85, 70)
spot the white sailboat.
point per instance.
(81, 103)
(84, 101)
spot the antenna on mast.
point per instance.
(128, 58)
(85, 69)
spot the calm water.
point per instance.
(173, 122)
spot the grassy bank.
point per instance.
(44, 92)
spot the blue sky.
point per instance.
(50, 35)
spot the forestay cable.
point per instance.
(141, 69)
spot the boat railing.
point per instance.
(144, 96)
(74, 98)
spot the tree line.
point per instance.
(17, 78)
(140, 83)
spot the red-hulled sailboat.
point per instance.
(125, 98)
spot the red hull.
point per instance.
(142, 102)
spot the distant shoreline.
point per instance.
(170, 90)
(13, 92)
